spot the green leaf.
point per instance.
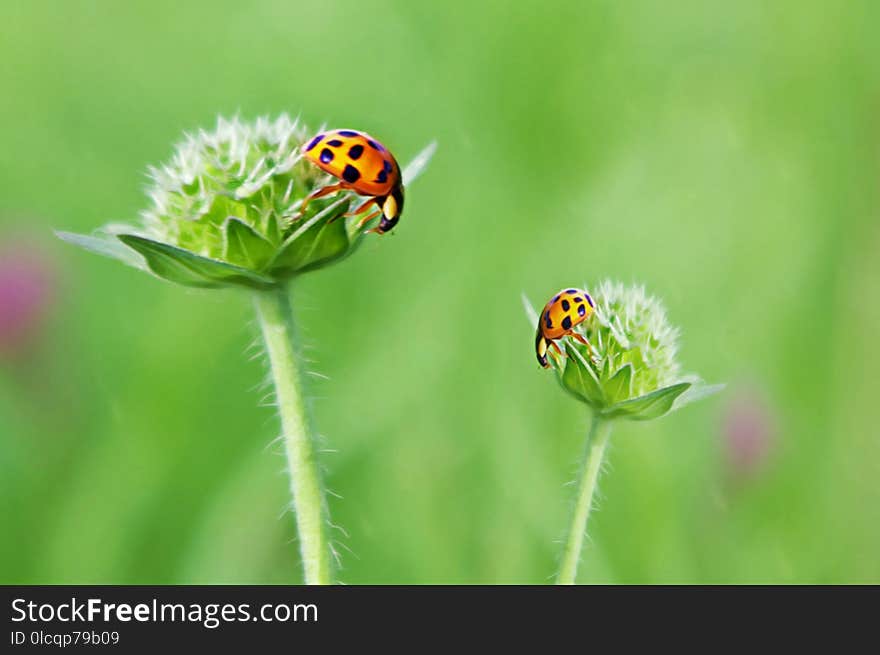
(418, 163)
(531, 313)
(242, 245)
(187, 268)
(319, 245)
(321, 239)
(579, 379)
(697, 392)
(651, 405)
(105, 245)
(619, 386)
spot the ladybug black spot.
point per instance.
(571, 292)
(335, 143)
(382, 177)
(326, 156)
(566, 305)
(347, 133)
(582, 309)
(547, 321)
(590, 300)
(555, 298)
(351, 174)
(566, 323)
(356, 151)
(314, 142)
(387, 166)
(374, 145)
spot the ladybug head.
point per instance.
(541, 349)
(392, 208)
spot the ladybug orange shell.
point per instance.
(565, 310)
(361, 164)
(357, 159)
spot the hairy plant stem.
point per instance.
(600, 430)
(309, 502)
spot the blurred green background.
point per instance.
(727, 155)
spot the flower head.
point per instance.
(630, 369)
(224, 210)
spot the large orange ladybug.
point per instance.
(566, 309)
(363, 165)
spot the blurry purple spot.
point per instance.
(25, 295)
(749, 435)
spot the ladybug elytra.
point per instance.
(363, 165)
(565, 310)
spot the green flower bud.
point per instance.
(225, 210)
(631, 370)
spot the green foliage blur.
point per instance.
(726, 155)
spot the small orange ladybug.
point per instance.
(566, 309)
(363, 165)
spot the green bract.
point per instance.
(633, 372)
(224, 210)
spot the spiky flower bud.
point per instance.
(631, 370)
(225, 210)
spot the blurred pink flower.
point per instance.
(749, 435)
(26, 290)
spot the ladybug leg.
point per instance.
(369, 217)
(559, 354)
(361, 208)
(320, 193)
(580, 338)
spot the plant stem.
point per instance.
(600, 430)
(309, 504)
